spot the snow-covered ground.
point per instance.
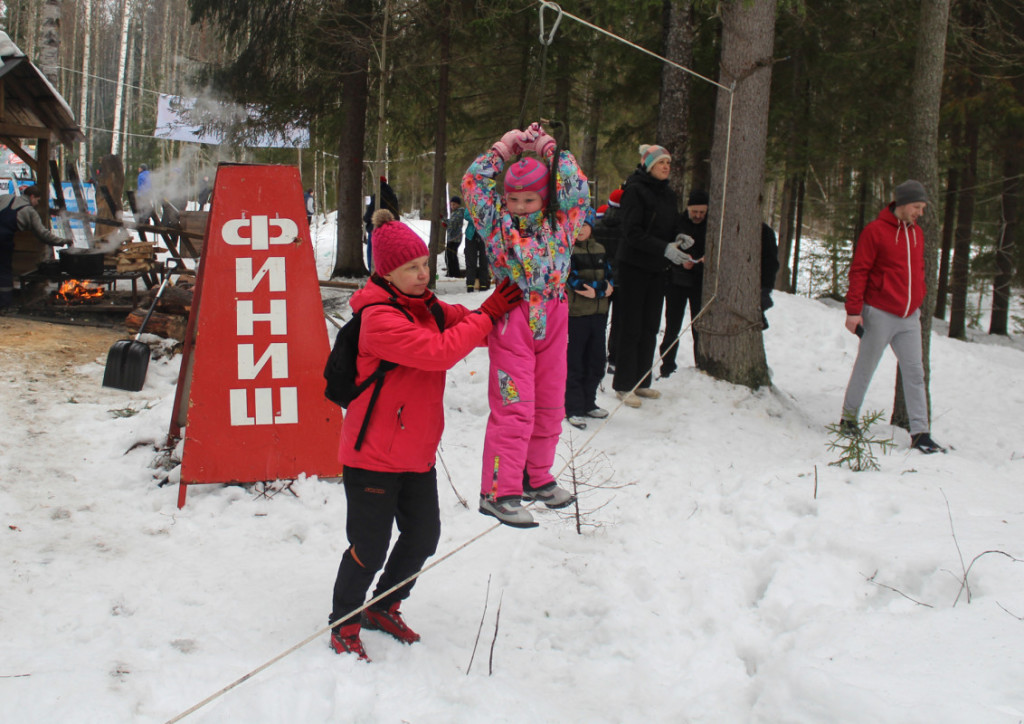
(726, 572)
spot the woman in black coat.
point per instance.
(649, 222)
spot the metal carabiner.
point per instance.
(554, 28)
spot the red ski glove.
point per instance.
(505, 297)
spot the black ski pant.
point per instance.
(585, 363)
(676, 299)
(377, 500)
(476, 264)
(638, 311)
(451, 259)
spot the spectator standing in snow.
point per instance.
(528, 232)
(769, 268)
(389, 476)
(608, 232)
(650, 223)
(589, 290)
(883, 307)
(310, 205)
(685, 281)
(18, 213)
(453, 236)
(144, 197)
(389, 201)
(205, 192)
(477, 275)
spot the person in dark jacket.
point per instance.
(389, 201)
(685, 281)
(18, 213)
(589, 289)
(649, 248)
(390, 477)
(453, 236)
(883, 307)
(608, 231)
(478, 276)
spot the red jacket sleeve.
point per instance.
(863, 261)
(388, 334)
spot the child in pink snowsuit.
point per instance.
(528, 233)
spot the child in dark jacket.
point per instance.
(589, 289)
(389, 477)
(528, 232)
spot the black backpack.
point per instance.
(340, 370)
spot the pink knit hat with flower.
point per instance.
(527, 174)
(394, 243)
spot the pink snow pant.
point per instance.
(526, 391)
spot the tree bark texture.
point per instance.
(351, 139)
(961, 268)
(439, 199)
(1012, 167)
(923, 165)
(673, 132)
(731, 346)
(948, 224)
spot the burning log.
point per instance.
(75, 292)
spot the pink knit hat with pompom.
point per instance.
(527, 174)
(394, 243)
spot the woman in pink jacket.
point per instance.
(528, 232)
(389, 473)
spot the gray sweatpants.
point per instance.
(903, 334)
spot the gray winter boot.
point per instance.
(550, 494)
(508, 509)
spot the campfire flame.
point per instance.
(73, 291)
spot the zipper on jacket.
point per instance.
(401, 425)
(910, 273)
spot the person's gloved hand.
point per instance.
(676, 255)
(685, 241)
(505, 297)
(510, 144)
(542, 144)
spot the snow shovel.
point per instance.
(128, 359)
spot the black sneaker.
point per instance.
(923, 442)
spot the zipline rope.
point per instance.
(548, 38)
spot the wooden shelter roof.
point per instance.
(30, 107)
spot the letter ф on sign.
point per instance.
(252, 373)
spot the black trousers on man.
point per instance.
(638, 315)
(676, 299)
(376, 501)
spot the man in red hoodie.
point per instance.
(883, 307)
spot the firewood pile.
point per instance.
(135, 256)
(170, 317)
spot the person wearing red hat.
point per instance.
(389, 473)
(528, 232)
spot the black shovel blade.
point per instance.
(127, 362)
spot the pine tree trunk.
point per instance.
(801, 188)
(948, 224)
(673, 132)
(349, 258)
(730, 345)
(1012, 167)
(923, 165)
(439, 200)
(961, 267)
